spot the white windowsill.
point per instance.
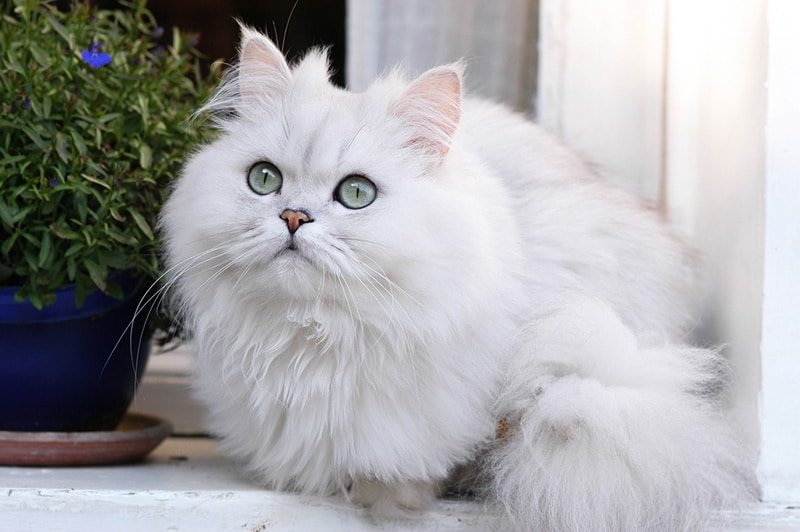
(185, 484)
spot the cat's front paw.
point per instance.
(398, 499)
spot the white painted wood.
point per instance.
(497, 40)
(185, 485)
(601, 78)
(714, 182)
(780, 394)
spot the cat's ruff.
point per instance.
(477, 271)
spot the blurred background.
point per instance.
(297, 26)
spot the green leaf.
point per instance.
(176, 40)
(83, 288)
(36, 300)
(116, 215)
(73, 249)
(46, 300)
(114, 290)
(116, 260)
(63, 231)
(37, 107)
(98, 273)
(72, 268)
(47, 106)
(30, 132)
(61, 147)
(6, 215)
(88, 236)
(14, 161)
(145, 156)
(60, 29)
(38, 54)
(96, 181)
(35, 242)
(9, 243)
(108, 117)
(144, 107)
(21, 214)
(30, 260)
(13, 64)
(20, 296)
(121, 237)
(46, 250)
(142, 223)
(82, 207)
(78, 140)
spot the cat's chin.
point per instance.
(296, 272)
(291, 255)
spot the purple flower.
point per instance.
(94, 56)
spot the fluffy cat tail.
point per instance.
(606, 435)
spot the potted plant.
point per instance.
(93, 128)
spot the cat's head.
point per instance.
(314, 192)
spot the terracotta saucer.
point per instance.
(135, 437)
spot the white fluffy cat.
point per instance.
(375, 280)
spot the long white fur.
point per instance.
(494, 276)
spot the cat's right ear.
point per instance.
(263, 71)
(431, 107)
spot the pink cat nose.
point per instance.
(294, 219)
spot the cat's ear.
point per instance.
(263, 70)
(431, 107)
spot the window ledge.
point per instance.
(186, 485)
(183, 485)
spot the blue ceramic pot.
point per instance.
(70, 369)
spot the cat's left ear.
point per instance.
(431, 107)
(263, 70)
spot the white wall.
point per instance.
(601, 81)
(715, 167)
(780, 394)
(497, 39)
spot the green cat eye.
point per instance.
(264, 178)
(356, 192)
